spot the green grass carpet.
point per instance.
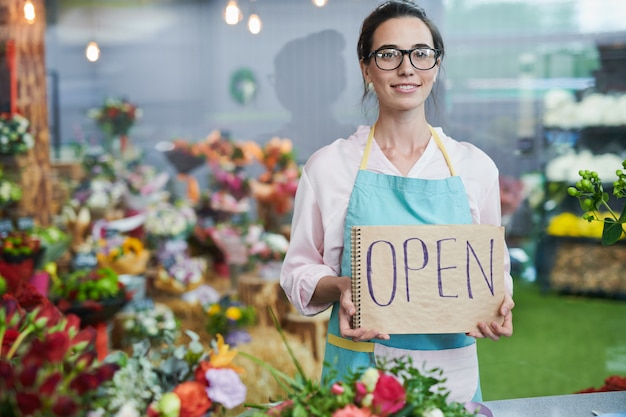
(561, 344)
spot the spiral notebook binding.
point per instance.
(356, 278)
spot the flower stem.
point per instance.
(19, 340)
(2, 332)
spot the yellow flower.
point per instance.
(564, 224)
(214, 309)
(132, 245)
(233, 313)
(222, 356)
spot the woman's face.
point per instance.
(404, 88)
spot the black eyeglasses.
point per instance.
(422, 58)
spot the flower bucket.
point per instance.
(16, 272)
(128, 264)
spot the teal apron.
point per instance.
(379, 199)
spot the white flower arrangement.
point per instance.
(167, 220)
(565, 168)
(563, 111)
(104, 193)
(10, 192)
(15, 136)
(157, 325)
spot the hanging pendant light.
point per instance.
(254, 24)
(29, 11)
(92, 51)
(232, 13)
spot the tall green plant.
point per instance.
(591, 195)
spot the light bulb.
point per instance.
(254, 24)
(92, 52)
(232, 14)
(29, 11)
(319, 3)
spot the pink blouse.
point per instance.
(321, 202)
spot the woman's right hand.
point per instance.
(346, 312)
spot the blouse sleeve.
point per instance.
(490, 213)
(304, 265)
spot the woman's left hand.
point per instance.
(495, 330)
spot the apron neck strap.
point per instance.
(370, 139)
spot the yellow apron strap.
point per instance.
(348, 344)
(370, 138)
(368, 147)
(442, 149)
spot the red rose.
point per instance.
(52, 349)
(6, 375)
(389, 395)
(7, 341)
(65, 406)
(28, 403)
(28, 376)
(49, 385)
(200, 373)
(194, 401)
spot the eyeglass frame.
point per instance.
(404, 52)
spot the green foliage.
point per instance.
(82, 285)
(592, 197)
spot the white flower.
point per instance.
(277, 242)
(433, 412)
(128, 410)
(558, 97)
(98, 200)
(565, 167)
(370, 378)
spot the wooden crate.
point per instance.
(585, 267)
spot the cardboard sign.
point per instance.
(427, 278)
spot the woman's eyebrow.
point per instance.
(416, 45)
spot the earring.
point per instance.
(370, 86)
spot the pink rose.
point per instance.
(389, 395)
(352, 410)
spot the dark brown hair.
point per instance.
(390, 10)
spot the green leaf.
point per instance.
(612, 231)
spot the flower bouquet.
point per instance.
(178, 272)
(230, 318)
(19, 253)
(10, 191)
(174, 381)
(54, 242)
(144, 185)
(103, 166)
(157, 325)
(123, 254)
(115, 118)
(391, 389)
(167, 221)
(93, 295)
(275, 188)
(183, 156)
(592, 197)
(100, 195)
(48, 365)
(15, 134)
(266, 251)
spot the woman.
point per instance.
(398, 171)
